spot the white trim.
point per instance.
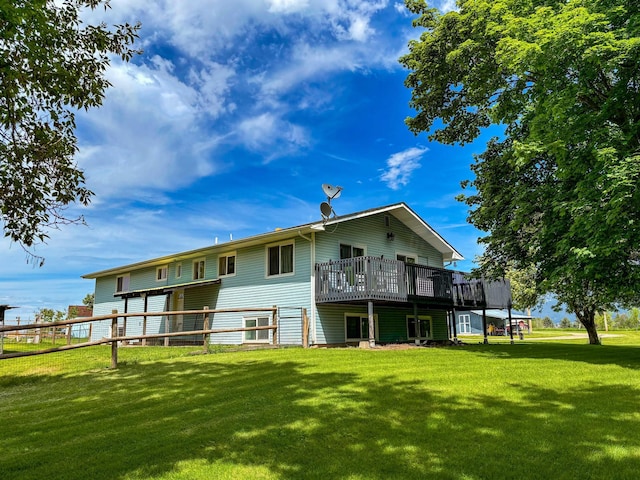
(361, 246)
(361, 316)
(257, 332)
(162, 273)
(407, 254)
(420, 317)
(460, 323)
(227, 255)
(194, 270)
(126, 287)
(178, 270)
(291, 242)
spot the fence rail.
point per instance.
(115, 339)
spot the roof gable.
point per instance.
(399, 210)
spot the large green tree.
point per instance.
(51, 65)
(558, 191)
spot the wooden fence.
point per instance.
(115, 340)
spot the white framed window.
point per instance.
(122, 283)
(351, 251)
(356, 326)
(256, 336)
(161, 273)
(227, 264)
(464, 323)
(280, 259)
(198, 269)
(406, 257)
(178, 270)
(420, 329)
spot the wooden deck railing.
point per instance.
(372, 278)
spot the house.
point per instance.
(381, 269)
(470, 322)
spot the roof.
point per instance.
(167, 288)
(80, 311)
(399, 210)
(502, 314)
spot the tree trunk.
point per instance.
(587, 318)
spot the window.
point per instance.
(227, 264)
(357, 327)
(280, 259)
(178, 270)
(419, 329)
(161, 273)
(198, 269)
(464, 323)
(122, 283)
(256, 335)
(407, 258)
(350, 251)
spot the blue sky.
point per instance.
(229, 123)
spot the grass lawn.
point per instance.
(533, 410)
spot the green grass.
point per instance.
(532, 410)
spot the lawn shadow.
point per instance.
(280, 417)
(622, 355)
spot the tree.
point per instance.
(557, 191)
(547, 323)
(50, 315)
(51, 64)
(523, 288)
(88, 300)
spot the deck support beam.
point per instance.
(484, 325)
(372, 325)
(453, 325)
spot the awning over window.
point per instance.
(166, 289)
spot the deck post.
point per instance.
(453, 325)
(205, 326)
(144, 318)
(114, 343)
(274, 322)
(124, 320)
(305, 329)
(415, 317)
(484, 325)
(510, 325)
(372, 326)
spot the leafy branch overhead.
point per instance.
(557, 191)
(51, 65)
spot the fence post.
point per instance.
(114, 343)
(305, 328)
(274, 322)
(205, 326)
(69, 327)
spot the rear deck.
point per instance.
(363, 279)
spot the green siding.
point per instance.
(371, 233)
(392, 322)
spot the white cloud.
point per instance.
(149, 134)
(287, 6)
(400, 166)
(272, 136)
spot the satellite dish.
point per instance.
(326, 210)
(330, 191)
